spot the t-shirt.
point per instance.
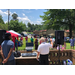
(71, 41)
(26, 38)
(65, 39)
(21, 38)
(44, 48)
(16, 42)
(53, 40)
(31, 39)
(6, 45)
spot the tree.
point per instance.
(3, 26)
(29, 26)
(1, 20)
(22, 27)
(17, 26)
(59, 18)
(14, 16)
(33, 28)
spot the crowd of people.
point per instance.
(42, 45)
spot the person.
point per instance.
(7, 50)
(36, 43)
(16, 44)
(21, 41)
(31, 39)
(50, 39)
(58, 47)
(21, 38)
(40, 41)
(53, 40)
(46, 39)
(72, 42)
(64, 42)
(0, 47)
(43, 51)
(26, 39)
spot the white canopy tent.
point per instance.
(14, 32)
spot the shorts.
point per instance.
(71, 44)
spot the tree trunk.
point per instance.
(70, 30)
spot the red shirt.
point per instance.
(21, 38)
(0, 47)
(40, 41)
(26, 38)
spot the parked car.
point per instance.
(23, 34)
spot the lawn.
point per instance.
(68, 46)
(29, 32)
(24, 45)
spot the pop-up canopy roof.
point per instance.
(14, 32)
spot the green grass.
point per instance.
(24, 45)
(29, 32)
(68, 46)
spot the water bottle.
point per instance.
(64, 62)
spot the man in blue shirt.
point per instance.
(72, 43)
(7, 50)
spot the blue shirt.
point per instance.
(65, 39)
(71, 41)
(6, 45)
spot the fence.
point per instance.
(64, 55)
(53, 58)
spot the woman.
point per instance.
(36, 44)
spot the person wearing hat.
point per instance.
(7, 50)
(43, 51)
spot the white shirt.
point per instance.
(44, 48)
(53, 40)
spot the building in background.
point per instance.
(36, 32)
(51, 32)
(66, 33)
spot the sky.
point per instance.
(24, 15)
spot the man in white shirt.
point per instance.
(43, 51)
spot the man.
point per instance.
(16, 44)
(64, 42)
(43, 51)
(31, 39)
(72, 43)
(7, 50)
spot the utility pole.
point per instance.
(8, 19)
